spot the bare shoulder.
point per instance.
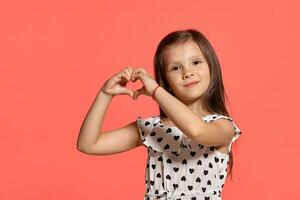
(228, 128)
(225, 125)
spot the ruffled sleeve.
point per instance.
(157, 137)
(237, 133)
(145, 127)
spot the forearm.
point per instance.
(92, 124)
(178, 112)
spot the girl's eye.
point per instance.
(174, 67)
(195, 62)
(198, 61)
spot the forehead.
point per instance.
(182, 51)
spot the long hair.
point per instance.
(214, 96)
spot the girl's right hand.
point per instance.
(116, 85)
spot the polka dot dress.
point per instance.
(179, 168)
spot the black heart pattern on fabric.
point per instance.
(197, 159)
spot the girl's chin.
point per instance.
(189, 98)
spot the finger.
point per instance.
(120, 72)
(138, 73)
(121, 79)
(140, 70)
(139, 92)
(126, 91)
(130, 69)
(126, 75)
(121, 75)
(117, 78)
(133, 78)
(128, 72)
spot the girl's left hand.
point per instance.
(148, 82)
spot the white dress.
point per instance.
(179, 168)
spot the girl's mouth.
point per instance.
(191, 84)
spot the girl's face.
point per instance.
(184, 63)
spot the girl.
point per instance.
(189, 143)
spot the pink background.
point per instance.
(55, 56)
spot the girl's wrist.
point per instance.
(105, 93)
(153, 93)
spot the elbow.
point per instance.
(86, 150)
(196, 133)
(82, 148)
(79, 148)
(197, 138)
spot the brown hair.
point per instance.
(214, 96)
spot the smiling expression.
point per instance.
(184, 63)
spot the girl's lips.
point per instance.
(191, 84)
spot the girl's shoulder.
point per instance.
(148, 120)
(152, 132)
(215, 116)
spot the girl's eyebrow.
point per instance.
(191, 58)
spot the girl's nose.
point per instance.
(188, 74)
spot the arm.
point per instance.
(215, 133)
(118, 140)
(92, 124)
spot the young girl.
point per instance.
(189, 143)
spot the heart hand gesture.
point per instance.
(116, 85)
